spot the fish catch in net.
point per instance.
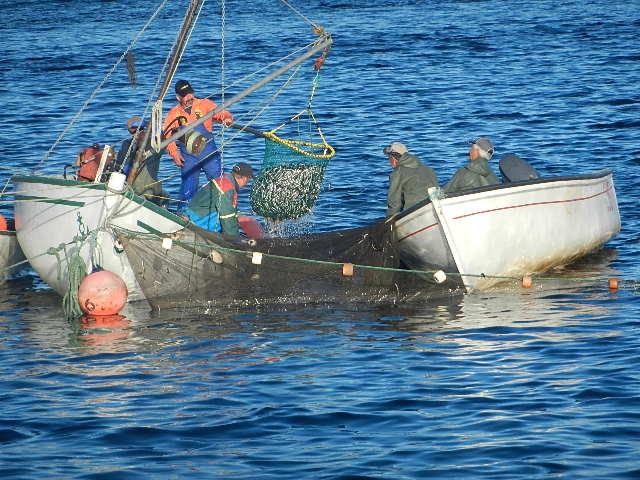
(290, 178)
(292, 172)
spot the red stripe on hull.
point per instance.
(509, 208)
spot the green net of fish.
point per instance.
(288, 184)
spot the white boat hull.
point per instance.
(512, 230)
(55, 217)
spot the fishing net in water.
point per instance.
(204, 269)
(290, 178)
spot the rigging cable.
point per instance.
(299, 13)
(222, 88)
(99, 87)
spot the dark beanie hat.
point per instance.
(243, 169)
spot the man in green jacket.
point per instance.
(477, 173)
(215, 206)
(409, 181)
(145, 183)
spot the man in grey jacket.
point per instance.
(477, 173)
(409, 181)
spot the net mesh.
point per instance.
(290, 179)
(203, 269)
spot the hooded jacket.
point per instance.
(477, 173)
(146, 181)
(408, 183)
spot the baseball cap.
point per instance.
(183, 87)
(484, 144)
(243, 169)
(136, 123)
(395, 147)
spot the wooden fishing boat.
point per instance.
(481, 236)
(60, 219)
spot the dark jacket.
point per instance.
(218, 197)
(146, 182)
(408, 183)
(476, 173)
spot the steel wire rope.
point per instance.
(100, 85)
(156, 89)
(222, 72)
(164, 68)
(275, 62)
(299, 13)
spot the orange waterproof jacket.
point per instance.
(200, 107)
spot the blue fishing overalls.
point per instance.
(209, 161)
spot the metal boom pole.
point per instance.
(324, 43)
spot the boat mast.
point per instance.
(178, 48)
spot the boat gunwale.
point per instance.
(501, 186)
(129, 194)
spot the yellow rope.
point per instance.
(294, 145)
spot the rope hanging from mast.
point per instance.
(292, 172)
(99, 87)
(223, 25)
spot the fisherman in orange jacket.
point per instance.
(188, 110)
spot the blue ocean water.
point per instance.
(513, 383)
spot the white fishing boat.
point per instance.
(59, 219)
(62, 218)
(480, 237)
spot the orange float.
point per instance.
(527, 282)
(4, 226)
(102, 293)
(347, 269)
(613, 284)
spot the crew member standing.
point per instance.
(188, 110)
(145, 182)
(215, 206)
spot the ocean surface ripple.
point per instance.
(508, 384)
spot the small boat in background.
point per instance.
(512, 229)
(12, 259)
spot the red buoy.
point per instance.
(3, 223)
(102, 293)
